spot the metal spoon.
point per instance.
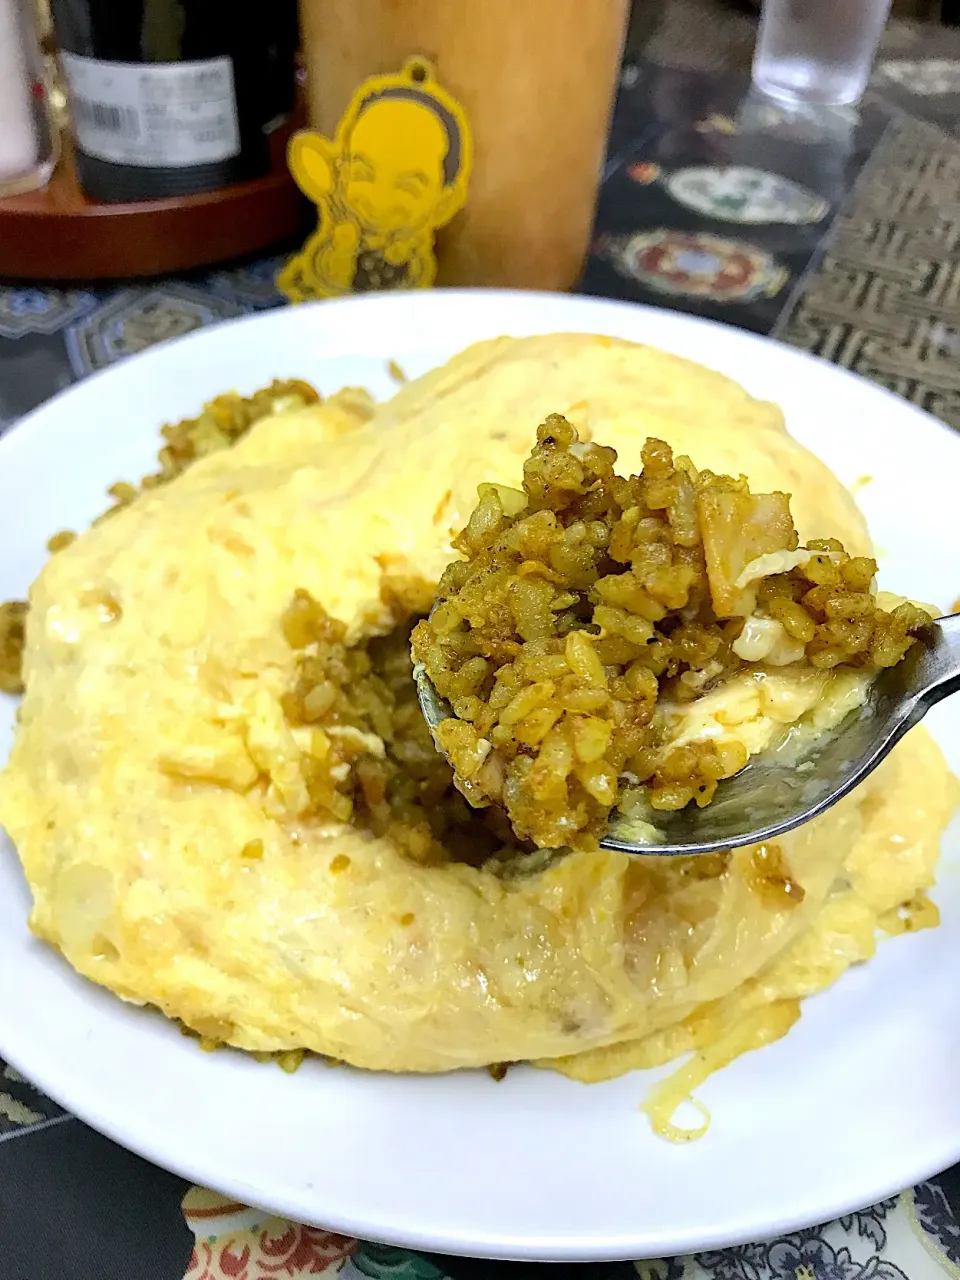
(768, 798)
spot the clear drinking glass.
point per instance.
(817, 51)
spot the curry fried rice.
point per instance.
(588, 598)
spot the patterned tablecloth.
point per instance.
(838, 232)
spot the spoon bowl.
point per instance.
(768, 797)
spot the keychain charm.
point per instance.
(397, 168)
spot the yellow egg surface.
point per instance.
(152, 754)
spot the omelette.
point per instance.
(159, 801)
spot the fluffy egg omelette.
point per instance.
(157, 797)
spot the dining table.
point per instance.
(835, 230)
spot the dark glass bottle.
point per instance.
(173, 97)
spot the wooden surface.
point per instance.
(58, 234)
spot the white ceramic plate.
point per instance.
(861, 1098)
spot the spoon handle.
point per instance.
(936, 671)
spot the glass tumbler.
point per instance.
(817, 52)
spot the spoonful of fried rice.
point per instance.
(587, 660)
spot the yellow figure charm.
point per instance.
(396, 170)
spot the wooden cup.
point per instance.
(537, 80)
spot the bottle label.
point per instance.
(155, 114)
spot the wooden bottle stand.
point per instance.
(58, 234)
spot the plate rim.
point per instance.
(506, 1248)
(400, 298)
(579, 1248)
